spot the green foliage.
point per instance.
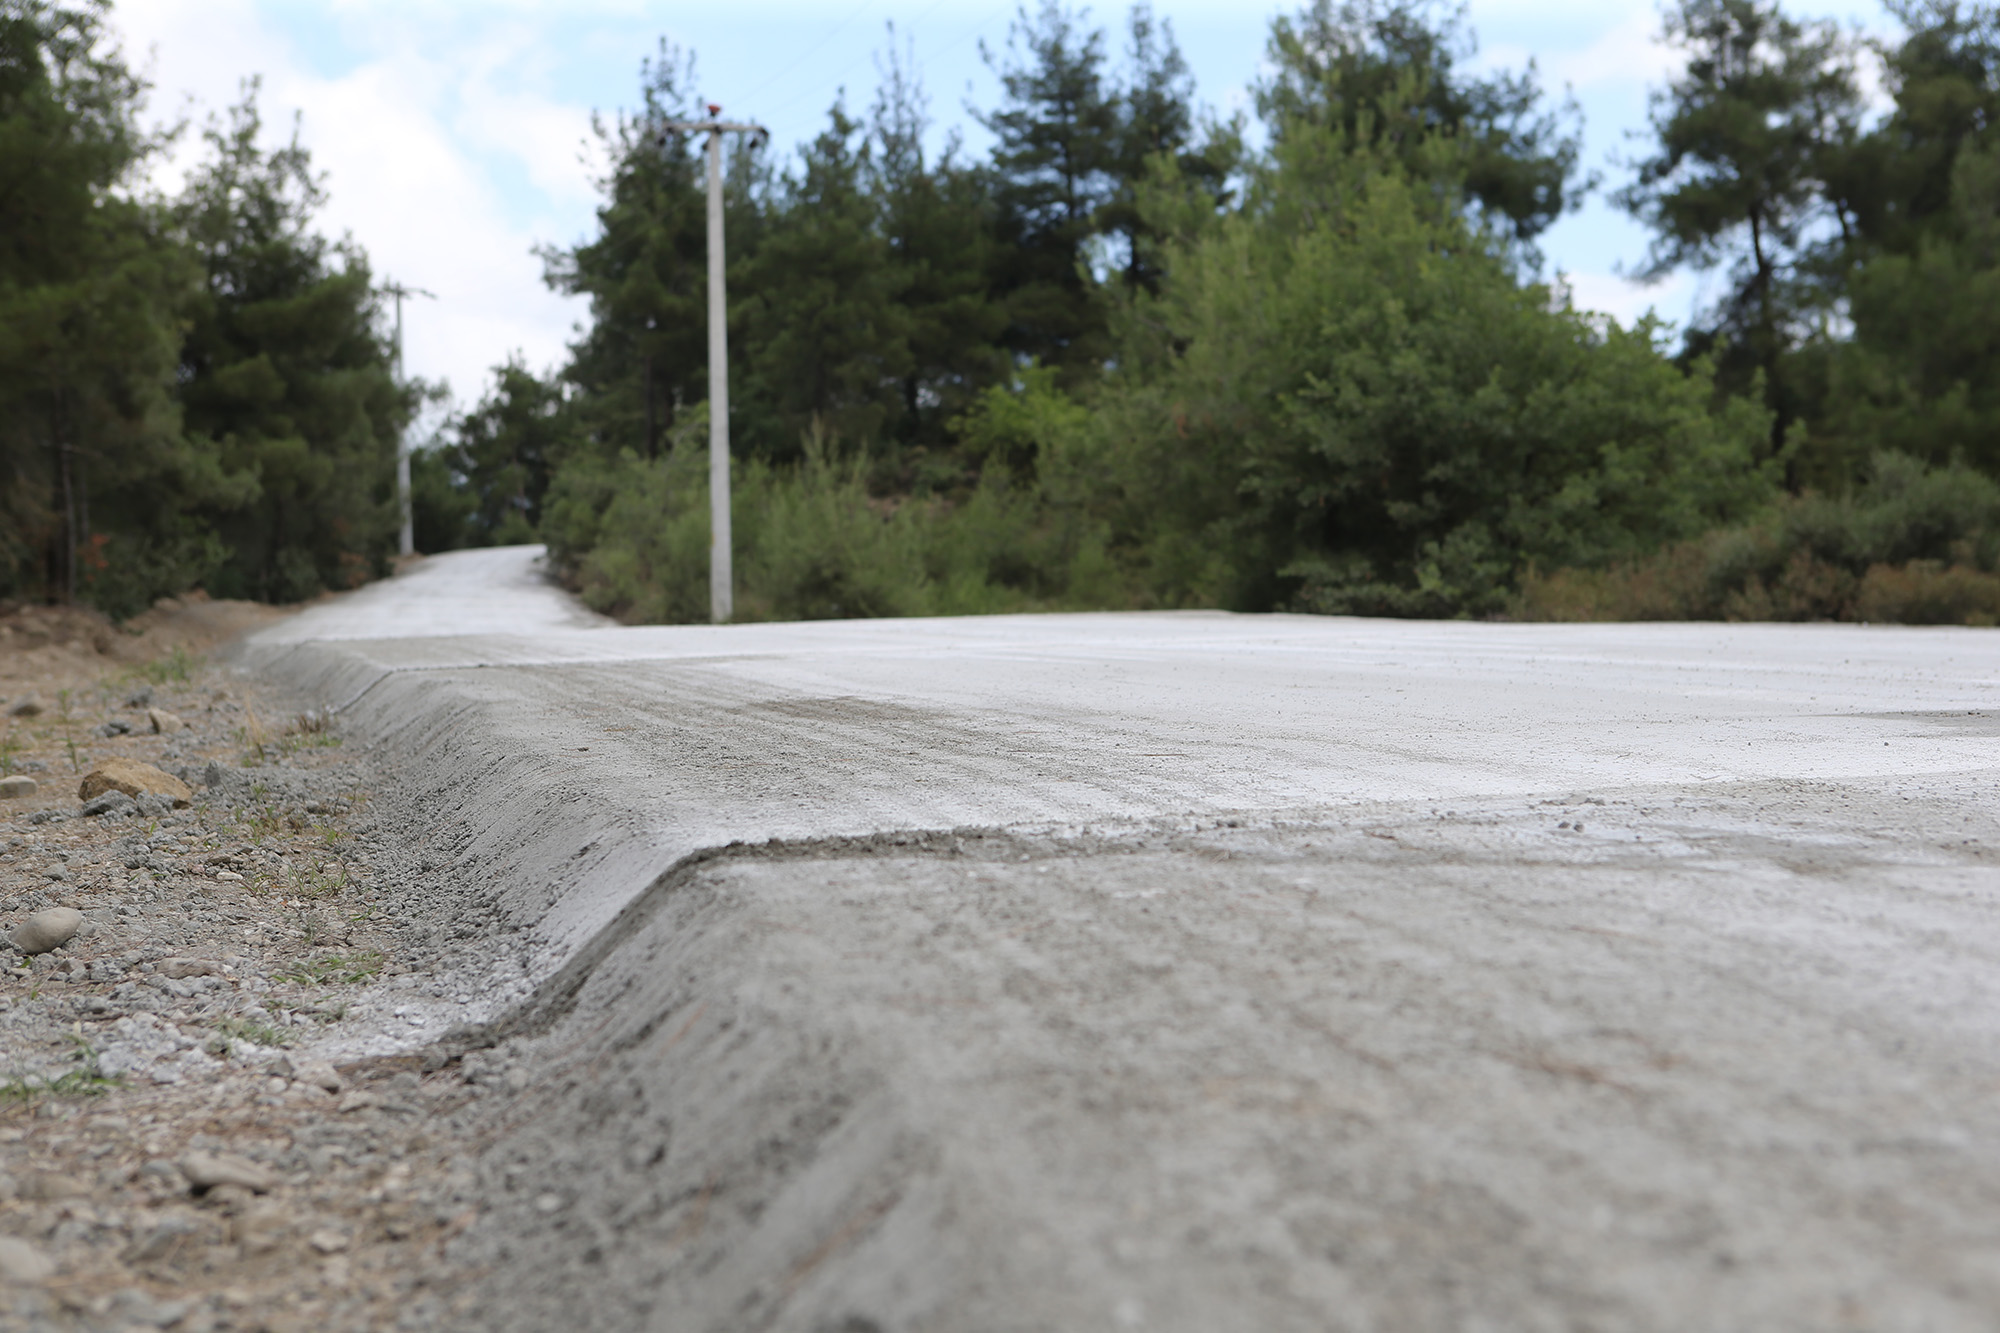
(484, 486)
(1916, 545)
(644, 356)
(336, 969)
(287, 378)
(192, 390)
(1343, 400)
(256, 1033)
(85, 1080)
(811, 543)
(90, 289)
(1386, 77)
(177, 666)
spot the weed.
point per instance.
(68, 720)
(336, 969)
(10, 745)
(290, 743)
(254, 738)
(320, 881)
(178, 665)
(86, 1080)
(260, 1034)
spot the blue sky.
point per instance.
(456, 136)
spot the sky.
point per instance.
(455, 136)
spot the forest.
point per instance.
(1136, 355)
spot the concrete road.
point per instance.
(1197, 971)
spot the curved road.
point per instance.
(1197, 971)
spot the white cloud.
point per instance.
(1627, 301)
(400, 137)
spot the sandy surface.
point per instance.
(1198, 971)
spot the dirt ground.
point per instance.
(219, 942)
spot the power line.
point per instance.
(840, 78)
(812, 50)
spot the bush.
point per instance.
(1915, 546)
(632, 537)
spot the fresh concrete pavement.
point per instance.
(1199, 971)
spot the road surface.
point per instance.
(1199, 971)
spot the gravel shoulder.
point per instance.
(193, 1133)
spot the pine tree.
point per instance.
(1747, 139)
(1054, 158)
(285, 373)
(92, 464)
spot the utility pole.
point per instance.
(721, 580)
(407, 544)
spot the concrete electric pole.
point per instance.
(407, 543)
(721, 580)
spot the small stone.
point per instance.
(21, 1263)
(115, 727)
(28, 707)
(320, 1074)
(229, 876)
(328, 1241)
(165, 723)
(161, 1240)
(207, 1170)
(548, 1203)
(109, 803)
(135, 780)
(50, 928)
(188, 967)
(18, 787)
(260, 1229)
(314, 1073)
(134, 1306)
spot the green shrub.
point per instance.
(1915, 545)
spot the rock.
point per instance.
(328, 1241)
(258, 1230)
(50, 928)
(165, 723)
(110, 803)
(206, 1170)
(21, 1264)
(115, 728)
(161, 1240)
(135, 780)
(28, 707)
(18, 787)
(317, 1073)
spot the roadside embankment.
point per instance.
(1192, 971)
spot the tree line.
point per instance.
(194, 389)
(1135, 354)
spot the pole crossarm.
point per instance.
(714, 127)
